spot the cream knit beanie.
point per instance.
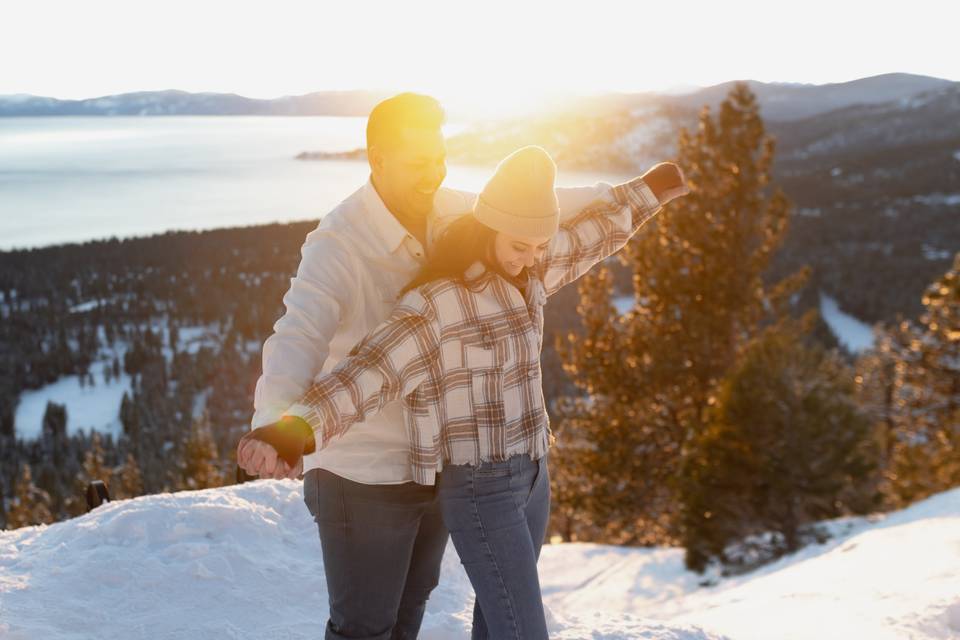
(519, 199)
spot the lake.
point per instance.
(69, 179)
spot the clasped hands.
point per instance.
(276, 450)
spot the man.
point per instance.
(381, 534)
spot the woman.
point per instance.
(462, 349)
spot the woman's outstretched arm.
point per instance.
(604, 228)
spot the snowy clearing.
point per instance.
(852, 333)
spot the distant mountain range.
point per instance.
(783, 101)
(779, 101)
(182, 103)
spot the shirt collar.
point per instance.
(385, 227)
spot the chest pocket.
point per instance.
(484, 364)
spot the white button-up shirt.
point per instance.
(353, 266)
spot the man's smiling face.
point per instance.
(408, 173)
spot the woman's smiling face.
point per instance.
(513, 253)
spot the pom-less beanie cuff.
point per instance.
(532, 227)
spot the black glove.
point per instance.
(292, 438)
(666, 181)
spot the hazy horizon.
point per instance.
(672, 89)
(506, 57)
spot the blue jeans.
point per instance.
(497, 516)
(382, 546)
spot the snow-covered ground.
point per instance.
(948, 199)
(852, 333)
(930, 252)
(244, 562)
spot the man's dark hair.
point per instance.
(405, 110)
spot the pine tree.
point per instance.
(55, 422)
(47, 476)
(130, 419)
(3, 506)
(201, 462)
(30, 505)
(173, 335)
(129, 483)
(7, 427)
(650, 375)
(94, 467)
(927, 394)
(876, 388)
(785, 445)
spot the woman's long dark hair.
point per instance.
(464, 242)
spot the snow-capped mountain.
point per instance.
(779, 101)
(792, 101)
(179, 103)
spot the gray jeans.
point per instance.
(382, 546)
(497, 515)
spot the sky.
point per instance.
(494, 52)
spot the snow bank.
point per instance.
(244, 562)
(237, 562)
(886, 577)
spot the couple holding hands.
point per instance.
(403, 381)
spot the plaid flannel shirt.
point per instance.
(465, 356)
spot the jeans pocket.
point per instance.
(540, 475)
(310, 491)
(323, 495)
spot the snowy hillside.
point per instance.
(244, 562)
